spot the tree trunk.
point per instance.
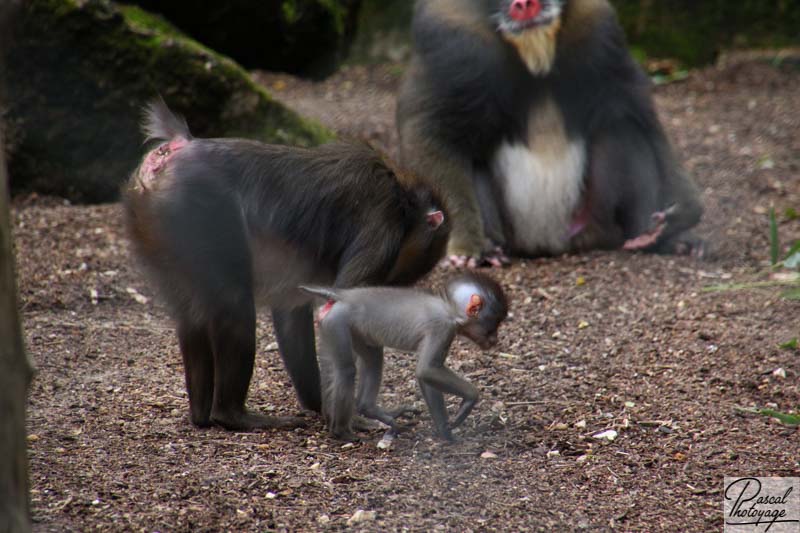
(16, 369)
(15, 376)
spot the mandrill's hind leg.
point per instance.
(233, 342)
(198, 365)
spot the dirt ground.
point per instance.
(606, 340)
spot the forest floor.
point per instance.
(600, 341)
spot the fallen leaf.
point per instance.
(137, 296)
(361, 516)
(608, 434)
(386, 441)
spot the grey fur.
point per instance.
(365, 320)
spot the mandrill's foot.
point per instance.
(690, 245)
(249, 421)
(388, 417)
(654, 240)
(364, 425)
(650, 237)
(460, 261)
(345, 436)
(403, 411)
(494, 258)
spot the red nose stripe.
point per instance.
(524, 10)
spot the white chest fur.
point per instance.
(542, 182)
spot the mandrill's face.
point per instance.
(515, 16)
(531, 26)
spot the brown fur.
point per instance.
(537, 46)
(580, 16)
(547, 135)
(145, 233)
(453, 14)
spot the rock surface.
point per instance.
(78, 74)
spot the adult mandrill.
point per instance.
(533, 114)
(224, 225)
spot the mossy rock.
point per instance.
(79, 72)
(695, 32)
(304, 37)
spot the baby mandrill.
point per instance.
(362, 321)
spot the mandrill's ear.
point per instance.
(474, 306)
(435, 219)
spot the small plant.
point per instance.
(789, 345)
(791, 262)
(788, 419)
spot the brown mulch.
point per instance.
(606, 340)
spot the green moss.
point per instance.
(148, 23)
(79, 75)
(695, 32)
(338, 13)
(290, 12)
(258, 117)
(60, 8)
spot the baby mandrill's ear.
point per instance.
(474, 306)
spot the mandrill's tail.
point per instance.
(323, 292)
(159, 123)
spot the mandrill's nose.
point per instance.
(524, 10)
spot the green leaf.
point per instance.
(791, 213)
(766, 163)
(638, 54)
(789, 420)
(793, 294)
(793, 257)
(774, 243)
(751, 285)
(789, 345)
(663, 79)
